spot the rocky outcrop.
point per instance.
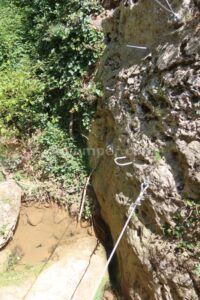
(10, 201)
(150, 113)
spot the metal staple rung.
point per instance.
(137, 47)
(117, 159)
(109, 89)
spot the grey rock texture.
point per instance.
(150, 113)
(10, 201)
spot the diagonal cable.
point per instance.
(170, 10)
(144, 187)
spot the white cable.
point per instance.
(173, 12)
(169, 5)
(137, 47)
(144, 187)
(109, 89)
(170, 10)
(122, 164)
(159, 3)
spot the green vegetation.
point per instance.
(187, 223)
(158, 156)
(186, 229)
(185, 233)
(48, 55)
(58, 157)
(13, 259)
(13, 277)
(105, 284)
(198, 270)
(66, 48)
(21, 92)
(3, 230)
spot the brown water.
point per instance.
(40, 229)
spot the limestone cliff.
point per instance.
(150, 113)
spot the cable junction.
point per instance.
(168, 9)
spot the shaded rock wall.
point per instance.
(150, 113)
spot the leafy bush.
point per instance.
(21, 93)
(58, 157)
(21, 99)
(186, 229)
(67, 48)
(11, 27)
(48, 55)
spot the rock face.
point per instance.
(10, 201)
(150, 113)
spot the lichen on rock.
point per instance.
(150, 113)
